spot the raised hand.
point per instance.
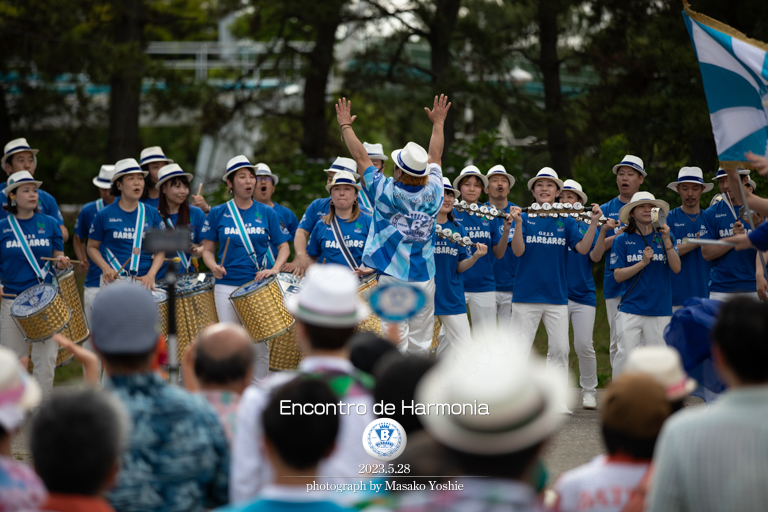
(760, 162)
(344, 112)
(596, 212)
(439, 109)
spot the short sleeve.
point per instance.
(496, 232)
(81, 227)
(96, 231)
(276, 234)
(709, 224)
(619, 252)
(58, 238)
(53, 210)
(292, 224)
(306, 219)
(211, 225)
(574, 235)
(313, 247)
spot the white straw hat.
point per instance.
(343, 163)
(412, 159)
(18, 179)
(638, 199)
(19, 392)
(171, 171)
(375, 151)
(237, 163)
(691, 175)
(153, 154)
(343, 178)
(328, 298)
(500, 170)
(468, 172)
(104, 179)
(546, 173)
(752, 184)
(263, 169)
(575, 187)
(127, 166)
(721, 173)
(631, 161)
(16, 146)
(663, 363)
(447, 186)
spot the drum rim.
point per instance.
(58, 294)
(266, 282)
(64, 273)
(183, 295)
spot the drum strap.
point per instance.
(112, 260)
(342, 246)
(22, 241)
(138, 233)
(181, 254)
(99, 204)
(244, 238)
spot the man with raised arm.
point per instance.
(400, 244)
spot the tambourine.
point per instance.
(489, 212)
(575, 210)
(658, 219)
(452, 236)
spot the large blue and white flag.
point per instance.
(734, 70)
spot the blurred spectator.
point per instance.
(666, 368)
(367, 349)
(634, 408)
(20, 487)
(717, 459)
(396, 380)
(76, 442)
(177, 458)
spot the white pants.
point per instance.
(227, 313)
(89, 295)
(482, 311)
(454, 333)
(43, 352)
(632, 329)
(725, 296)
(415, 333)
(583, 320)
(526, 319)
(611, 309)
(504, 312)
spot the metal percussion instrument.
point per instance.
(195, 307)
(435, 335)
(161, 298)
(77, 329)
(373, 322)
(489, 212)
(260, 305)
(40, 312)
(658, 219)
(575, 210)
(284, 353)
(452, 236)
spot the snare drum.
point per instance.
(195, 307)
(161, 298)
(260, 305)
(373, 322)
(40, 312)
(284, 353)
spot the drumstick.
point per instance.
(57, 259)
(8, 295)
(199, 189)
(224, 254)
(175, 260)
(124, 264)
(704, 241)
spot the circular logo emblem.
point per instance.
(384, 439)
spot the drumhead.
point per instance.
(289, 283)
(33, 300)
(62, 273)
(160, 296)
(250, 287)
(193, 282)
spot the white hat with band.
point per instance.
(546, 173)
(631, 161)
(575, 187)
(171, 171)
(692, 175)
(263, 169)
(18, 179)
(412, 159)
(343, 163)
(104, 179)
(375, 151)
(153, 154)
(468, 172)
(237, 163)
(127, 166)
(499, 170)
(447, 186)
(16, 146)
(638, 199)
(343, 178)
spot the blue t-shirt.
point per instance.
(652, 295)
(43, 236)
(581, 284)
(261, 224)
(278, 505)
(114, 228)
(323, 247)
(480, 277)
(82, 226)
(734, 271)
(693, 278)
(449, 286)
(196, 222)
(288, 223)
(541, 274)
(45, 202)
(504, 269)
(612, 289)
(154, 203)
(316, 210)
(759, 237)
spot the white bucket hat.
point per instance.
(343, 163)
(171, 171)
(375, 151)
(18, 391)
(575, 187)
(638, 199)
(153, 154)
(127, 166)
(467, 172)
(632, 161)
(328, 298)
(18, 179)
(523, 396)
(343, 178)
(691, 175)
(412, 159)
(665, 366)
(16, 146)
(263, 169)
(546, 173)
(752, 184)
(447, 186)
(500, 170)
(104, 179)
(721, 173)
(237, 163)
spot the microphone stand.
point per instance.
(173, 356)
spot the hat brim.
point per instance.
(406, 171)
(579, 193)
(10, 188)
(707, 186)
(226, 175)
(105, 186)
(617, 166)
(627, 208)
(378, 157)
(116, 177)
(329, 186)
(153, 160)
(356, 175)
(536, 178)
(460, 177)
(742, 172)
(554, 392)
(456, 193)
(5, 157)
(293, 305)
(509, 177)
(159, 184)
(690, 387)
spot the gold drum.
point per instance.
(373, 322)
(195, 308)
(260, 305)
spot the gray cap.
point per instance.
(125, 320)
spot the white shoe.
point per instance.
(565, 410)
(589, 402)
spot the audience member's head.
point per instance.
(523, 400)
(739, 346)
(76, 441)
(125, 328)
(18, 393)
(327, 310)
(298, 442)
(367, 349)
(663, 363)
(224, 357)
(396, 381)
(634, 408)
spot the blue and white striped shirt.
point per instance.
(401, 242)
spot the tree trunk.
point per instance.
(125, 83)
(440, 38)
(557, 139)
(5, 119)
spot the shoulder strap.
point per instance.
(138, 236)
(340, 242)
(244, 238)
(22, 241)
(99, 204)
(181, 254)
(112, 260)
